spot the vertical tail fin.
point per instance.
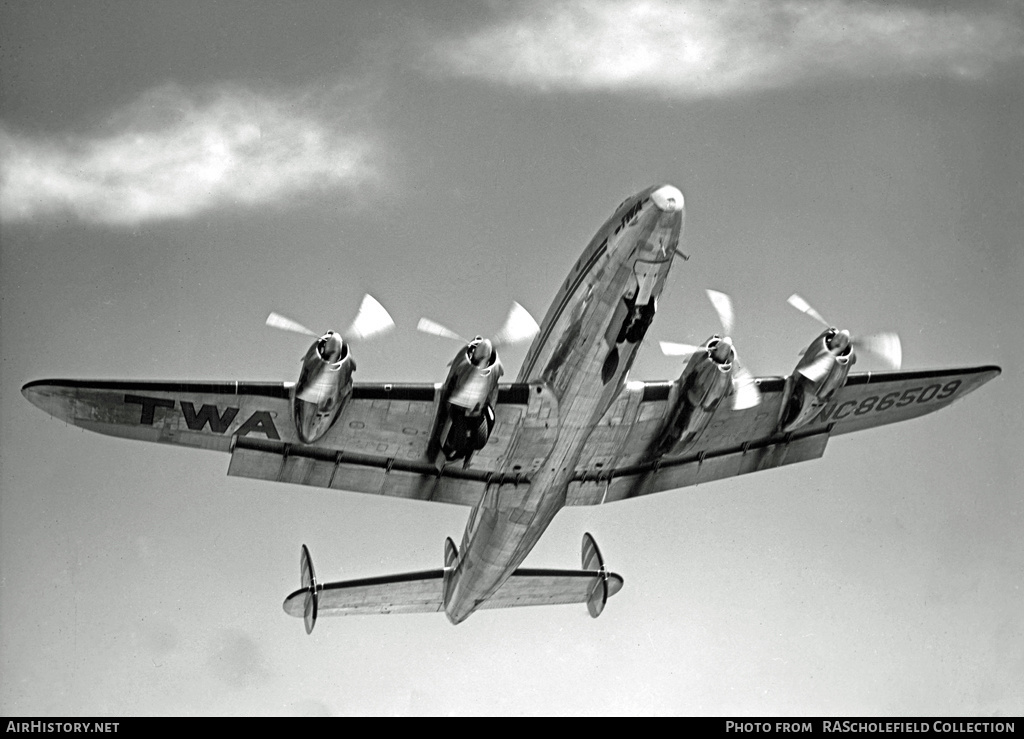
(592, 560)
(312, 588)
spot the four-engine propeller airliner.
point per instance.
(571, 430)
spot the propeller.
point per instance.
(372, 319)
(745, 392)
(276, 320)
(886, 346)
(519, 326)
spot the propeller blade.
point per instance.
(519, 326)
(886, 347)
(745, 392)
(276, 320)
(672, 349)
(436, 329)
(372, 319)
(818, 368)
(723, 306)
(804, 307)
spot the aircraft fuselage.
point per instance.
(587, 343)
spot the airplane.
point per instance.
(571, 430)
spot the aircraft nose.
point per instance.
(668, 198)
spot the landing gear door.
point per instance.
(647, 274)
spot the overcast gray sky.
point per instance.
(172, 172)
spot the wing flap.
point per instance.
(422, 592)
(670, 474)
(361, 473)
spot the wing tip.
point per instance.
(48, 396)
(987, 373)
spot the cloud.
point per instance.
(175, 153)
(698, 48)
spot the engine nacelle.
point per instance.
(818, 375)
(465, 415)
(705, 382)
(465, 435)
(324, 386)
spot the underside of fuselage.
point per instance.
(586, 345)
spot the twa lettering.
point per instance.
(624, 221)
(260, 422)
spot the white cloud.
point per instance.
(175, 153)
(694, 48)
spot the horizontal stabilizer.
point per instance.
(423, 592)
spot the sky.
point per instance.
(172, 172)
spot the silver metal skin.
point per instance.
(473, 378)
(587, 343)
(818, 375)
(705, 382)
(557, 440)
(325, 383)
(325, 379)
(465, 413)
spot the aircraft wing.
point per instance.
(378, 444)
(616, 463)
